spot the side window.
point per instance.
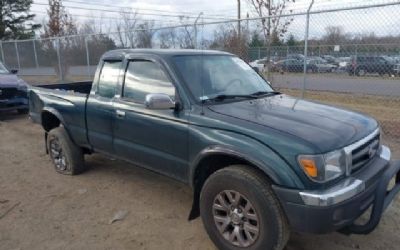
(146, 77)
(108, 78)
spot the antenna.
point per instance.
(202, 67)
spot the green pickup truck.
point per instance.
(261, 163)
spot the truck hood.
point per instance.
(11, 81)
(326, 127)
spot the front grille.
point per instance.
(8, 93)
(362, 154)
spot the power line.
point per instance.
(126, 12)
(43, 13)
(139, 9)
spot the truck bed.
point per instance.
(83, 87)
(67, 101)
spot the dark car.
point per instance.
(295, 65)
(261, 163)
(13, 91)
(362, 65)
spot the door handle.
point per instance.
(120, 113)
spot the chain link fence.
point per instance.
(352, 59)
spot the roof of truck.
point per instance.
(163, 52)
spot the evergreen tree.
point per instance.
(291, 41)
(15, 20)
(256, 42)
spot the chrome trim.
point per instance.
(334, 195)
(385, 153)
(349, 149)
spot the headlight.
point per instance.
(323, 168)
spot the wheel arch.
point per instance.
(215, 158)
(51, 118)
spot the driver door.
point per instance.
(155, 139)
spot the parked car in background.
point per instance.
(397, 69)
(289, 65)
(259, 64)
(361, 65)
(343, 63)
(299, 57)
(320, 65)
(330, 59)
(13, 91)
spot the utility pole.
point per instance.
(238, 19)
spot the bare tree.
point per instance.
(186, 34)
(226, 38)
(144, 34)
(334, 35)
(59, 24)
(273, 25)
(168, 38)
(126, 28)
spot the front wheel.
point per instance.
(67, 157)
(240, 211)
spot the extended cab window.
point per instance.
(146, 77)
(108, 79)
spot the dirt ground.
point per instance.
(40, 209)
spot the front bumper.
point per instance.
(338, 207)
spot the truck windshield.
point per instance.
(210, 76)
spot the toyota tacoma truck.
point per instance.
(261, 163)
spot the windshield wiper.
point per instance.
(225, 97)
(255, 95)
(265, 93)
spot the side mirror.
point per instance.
(14, 71)
(159, 101)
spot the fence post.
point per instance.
(87, 57)
(306, 49)
(2, 52)
(287, 51)
(59, 61)
(35, 54)
(17, 53)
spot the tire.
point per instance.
(66, 156)
(361, 71)
(22, 111)
(267, 215)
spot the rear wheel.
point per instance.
(240, 211)
(361, 71)
(67, 157)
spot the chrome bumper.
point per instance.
(345, 190)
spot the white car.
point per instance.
(259, 64)
(397, 70)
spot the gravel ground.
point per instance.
(40, 209)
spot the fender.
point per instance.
(224, 150)
(54, 112)
(235, 153)
(57, 114)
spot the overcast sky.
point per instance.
(381, 21)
